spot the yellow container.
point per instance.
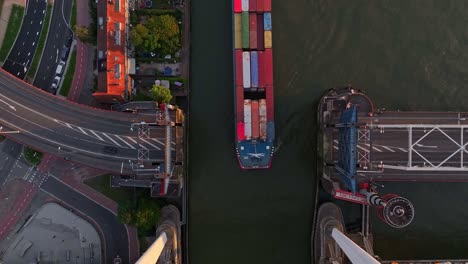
(238, 31)
(268, 42)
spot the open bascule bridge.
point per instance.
(360, 146)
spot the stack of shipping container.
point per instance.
(253, 69)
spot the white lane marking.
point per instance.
(115, 142)
(173, 143)
(94, 133)
(82, 131)
(143, 147)
(68, 125)
(376, 149)
(402, 149)
(387, 148)
(131, 139)
(336, 141)
(121, 139)
(366, 150)
(155, 139)
(335, 147)
(154, 146)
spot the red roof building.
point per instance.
(113, 80)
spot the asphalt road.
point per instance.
(9, 152)
(115, 234)
(76, 132)
(22, 53)
(58, 35)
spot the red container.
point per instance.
(261, 69)
(260, 34)
(255, 120)
(268, 67)
(252, 22)
(240, 131)
(253, 40)
(240, 103)
(237, 6)
(270, 103)
(260, 6)
(253, 5)
(267, 5)
(239, 74)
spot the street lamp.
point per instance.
(8, 132)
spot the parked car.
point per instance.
(64, 54)
(55, 84)
(69, 41)
(60, 68)
(110, 150)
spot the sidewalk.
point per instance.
(6, 11)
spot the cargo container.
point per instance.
(259, 6)
(246, 69)
(253, 31)
(262, 114)
(245, 30)
(240, 131)
(253, 69)
(253, 40)
(253, 5)
(267, 5)
(238, 31)
(245, 5)
(238, 65)
(270, 100)
(271, 131)
(255, 120)
(267, 21)
(261, 69)
(260, 33)
(240, 103)
(237, 6)
(267, 40)
(248, 119)
(268, 64)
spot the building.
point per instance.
(114, 83)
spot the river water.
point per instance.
(407, 55)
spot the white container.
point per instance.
(245, 5)
(246, 68)
(248, 119)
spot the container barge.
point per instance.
(253, 83)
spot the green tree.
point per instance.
(161, 94)
(159, 33)
(147, 215)
(126, 211)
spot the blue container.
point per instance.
(271, 130)
(267, 21)
(254, 68)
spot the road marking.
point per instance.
(143, 147)
(387, 148)
(154, 146)
(134, 141)
(115, 142)
(94, 133)
(366, 150)
(82, 130)
(125, 142)
(373, 147)
(154, 139)
(402, 149)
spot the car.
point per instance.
(60, 68)
(110, 150)
(69, 41)
(55, 83)
(64, 54)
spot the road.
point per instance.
(9, 153)
(58, 35)
(22, 53)
(115, 234)
(76, 132)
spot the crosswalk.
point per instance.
(376, 148)
(121, 141)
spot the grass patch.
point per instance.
(40, 44)
(13, 28)
(32, 156)
(141, 96)
(67, 81)
(102, 185)
(73, 15)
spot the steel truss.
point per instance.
(429, 129)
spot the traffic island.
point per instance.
(32, 156)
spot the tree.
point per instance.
(147, 214)
(161, 94)
(164, 37)
(83, 34)
(126, 211)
